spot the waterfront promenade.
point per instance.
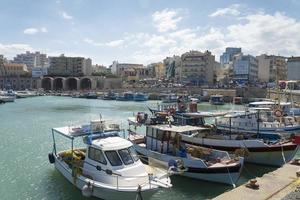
(274, 185)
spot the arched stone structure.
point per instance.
(59, 83)
(72, 83)
(86, 83)
(47, 83)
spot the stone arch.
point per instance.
(59, 83)
(47, 83)
(72, 83)
(85, 83)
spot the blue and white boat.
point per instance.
(140, 97)
(126, 96)
(216, 99)
(259, 120)
(110, 96)
(286, 107)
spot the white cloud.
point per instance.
(66, 16)
(44, 30)
(275, 34)
(230, 10)
(30, 31)
(115, 43)
(257, 33)
(33, 30)
(166, 20)
(11, 50)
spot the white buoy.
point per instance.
(87, 190)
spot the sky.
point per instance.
(146, 31)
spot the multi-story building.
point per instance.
(70, 66)
(14, 69)
(119, 68)
(31, 60)
(245, 69)
(293, 68)
(156, 70)
(271, 68)
(2, 69)
(197, 68)
(98, 69)
(227, 57)
(173, 67)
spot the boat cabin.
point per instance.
(167, 139)
(106, 157)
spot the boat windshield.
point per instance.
(125, 156)
(133, 154)
(113, 158)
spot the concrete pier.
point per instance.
(273, 186)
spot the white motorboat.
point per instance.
(107, 168)
(164, 143)
(25, 94)
(5, 98)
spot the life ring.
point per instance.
(278, 113)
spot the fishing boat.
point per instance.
(110, 96)
(163, 143)
(140, 97)
(216, 99)
(265, 122)
(169, 98)
(107, 167)
(252, 146)
(126, 96)
(286, 107)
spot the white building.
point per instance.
(119, 68)
(293, 68)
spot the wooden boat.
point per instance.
(163, 143)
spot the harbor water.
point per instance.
(25, 142)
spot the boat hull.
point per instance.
(259, 152)
(108, 192)
(225, 175)
(7, 99)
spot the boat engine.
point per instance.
(87, 190)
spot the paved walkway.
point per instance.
(272, 186)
